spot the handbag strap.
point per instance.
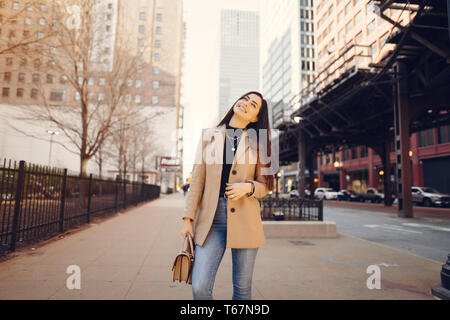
(188, 244)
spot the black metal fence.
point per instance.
(37, 202)
(291, 209)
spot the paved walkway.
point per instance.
(130, 256)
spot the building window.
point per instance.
(364, 151)
(36, 77)
(159, 16)
(341, 35)
(33, 94)
(42, 21)
(155, 99)
(348, 8)
(157, 43)
(40, 35)
(19, 92)
(101, 81)
(101, 96)
(141, 29)
(9, 61)
(371, 27)
(137, 99)
(139, 69)
(21, 77)
(444, 134)
(155, 70)
(373, 50)
(108, 28)
(157, 57)
(142, 15)
(383, 39)
(15, 5)
(49, 78)
(91, 81)
(155, 84)
(340, 17)
(130, 82)
(56, 95)
(5, 92)
(158, 30)
(138, 84)
(353, 152)
(426, 138)
(28, 21)
(358, 18)
(7, 76)
(77, 96)
(349, 26)
(141, 42)
(63, 79)
(37, 63)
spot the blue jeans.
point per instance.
(208, 258)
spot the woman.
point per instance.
(222, 199)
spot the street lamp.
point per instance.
(51, 133)
(277, 177)
(338, 165)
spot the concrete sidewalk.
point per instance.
(130, 256)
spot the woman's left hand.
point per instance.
(237, 190)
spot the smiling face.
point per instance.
(248, 107)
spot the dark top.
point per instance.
(227, 150)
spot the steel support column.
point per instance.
(302, 156)
(401, 122)
(387, 183)
(311, 157)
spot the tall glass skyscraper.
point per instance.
(239, 56)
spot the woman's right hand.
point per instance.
(187, 228)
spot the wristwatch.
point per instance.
(253, 189)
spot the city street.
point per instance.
(130, 256)
(426, 235)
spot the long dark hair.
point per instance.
(262, 123)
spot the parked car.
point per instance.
(294, 193)
(373, 195)
(325, 193)
(348, 195)
(7, 196)
(429, 197)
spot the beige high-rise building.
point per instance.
(349, 33)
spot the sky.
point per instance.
(201, 71)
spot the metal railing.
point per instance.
(37, 202)
(291, 209)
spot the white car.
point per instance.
(429, 197)
(325, 193)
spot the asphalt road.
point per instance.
(425, 236)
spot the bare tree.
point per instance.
(78, 53)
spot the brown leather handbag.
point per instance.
(184, 262)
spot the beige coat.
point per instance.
(244, 225)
